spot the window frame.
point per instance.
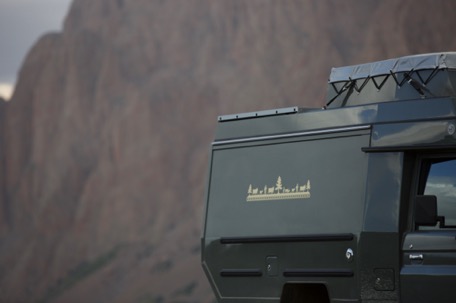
(423, 167)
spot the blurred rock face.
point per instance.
(104, 147)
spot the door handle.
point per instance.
(416, 257)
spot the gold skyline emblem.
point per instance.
(278, 192)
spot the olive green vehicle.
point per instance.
(355, 202)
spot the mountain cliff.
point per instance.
(104, 145)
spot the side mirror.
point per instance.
(426, 210)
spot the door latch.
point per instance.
(416, 257)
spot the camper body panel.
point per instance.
(380, 113)
(253, 244)
(270, 224)
(352, 203)
(242, 272)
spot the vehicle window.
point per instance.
(441, 182)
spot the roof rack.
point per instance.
(258, 114)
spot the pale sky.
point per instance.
(22, 22)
